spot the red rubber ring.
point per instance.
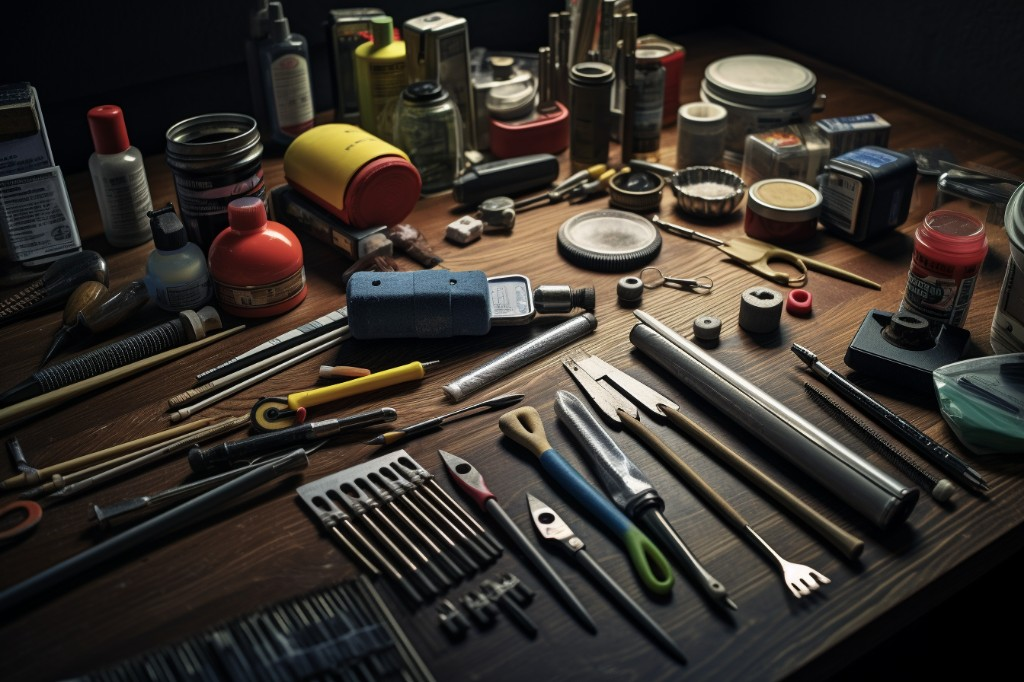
(799, 302)
(33, 513)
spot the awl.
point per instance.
(551, 527)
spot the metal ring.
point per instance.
(659, 281)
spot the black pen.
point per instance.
(938, 455)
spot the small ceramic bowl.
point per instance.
(708, 191)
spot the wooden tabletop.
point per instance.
(266, 548)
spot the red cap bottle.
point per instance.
(256, 264)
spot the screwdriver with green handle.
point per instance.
(524, 426)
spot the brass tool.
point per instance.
(51, 288)
(756, 255)
(586, 368)
(190, 326)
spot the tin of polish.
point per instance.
(782, 211)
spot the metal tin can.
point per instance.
(590, 90)
(760, 93)
(214, 159)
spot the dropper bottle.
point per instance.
(176, 273)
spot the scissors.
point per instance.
(32, 511)
(756, 255)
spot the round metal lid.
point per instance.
(609, 240)
(760, 80)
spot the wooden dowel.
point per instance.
(24, 480)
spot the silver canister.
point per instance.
(214, 159)
(760, 92)
(590, 89)
(1008, 322)
(428, 128)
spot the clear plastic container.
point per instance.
(794, 152)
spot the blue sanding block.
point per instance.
(425, 304)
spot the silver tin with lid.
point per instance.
(760, 92)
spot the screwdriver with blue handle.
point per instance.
(524, 426)
(632, 492)
(472, 482)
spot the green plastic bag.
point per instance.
(982, 400)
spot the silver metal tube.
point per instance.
(515, 358)
(867, 489)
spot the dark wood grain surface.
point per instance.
(265, 548)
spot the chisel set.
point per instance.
(394, 519)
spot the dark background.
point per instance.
(165, 62)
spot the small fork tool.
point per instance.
(551, 527)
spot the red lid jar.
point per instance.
(782, 211)
(256, 264)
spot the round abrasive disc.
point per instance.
(608, 240)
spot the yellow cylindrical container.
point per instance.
(380, 78)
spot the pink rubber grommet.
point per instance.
(799, 302)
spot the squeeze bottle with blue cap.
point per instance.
(176, 274)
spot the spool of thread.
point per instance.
(256, 264)
(760, 310)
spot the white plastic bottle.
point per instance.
(177, 276)
(119, 178)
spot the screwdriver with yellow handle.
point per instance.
(270, 414)
(561, 190)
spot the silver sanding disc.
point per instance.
(608, 240)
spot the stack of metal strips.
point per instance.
(394, 519)
(344, 632)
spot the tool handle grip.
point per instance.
(524, 426)
(651, 565)
(848, 544)
(370, 382)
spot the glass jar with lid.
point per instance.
(428, 127)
